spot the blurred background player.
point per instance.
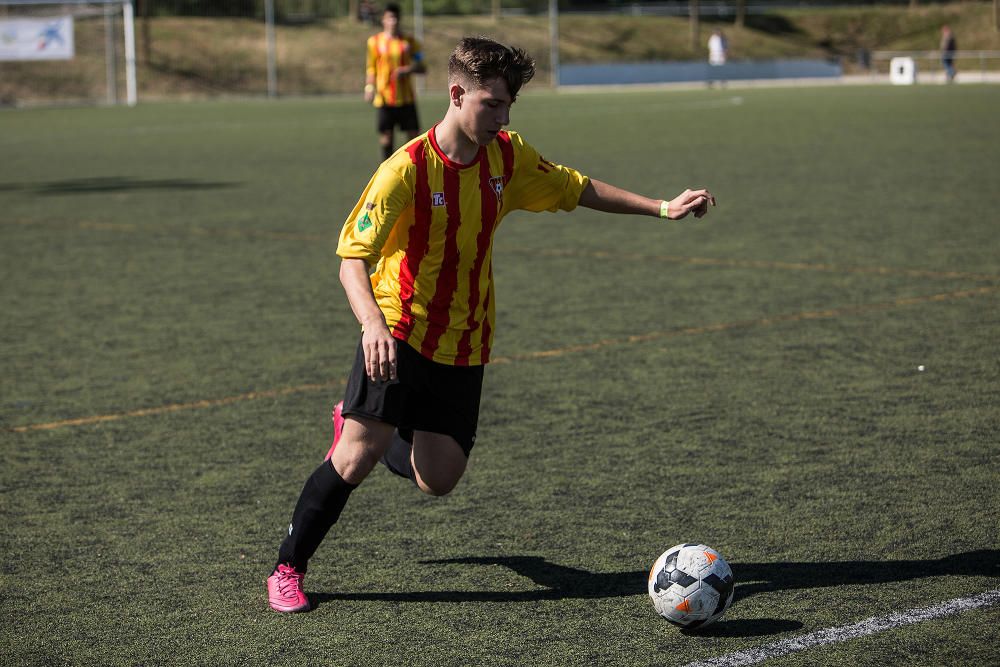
(718, 49)
(948, 46)
(391, 61)
(428, 311)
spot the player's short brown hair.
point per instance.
(479, 60)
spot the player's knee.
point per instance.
(437, 483)
(365, 457)
(355, 465)
(359, 449)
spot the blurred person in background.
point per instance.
(718, 49)
(948, 46)
(392, 60)
(367, 12)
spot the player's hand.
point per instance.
(370, 96)
(380, 352)
(690, 201)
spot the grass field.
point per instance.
(174, 336)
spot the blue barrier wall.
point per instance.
(675, 72)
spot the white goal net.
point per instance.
(74, 51)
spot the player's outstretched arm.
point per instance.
(376, 340)
(602, 196)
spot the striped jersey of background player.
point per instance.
(392, 58)
(426, 223)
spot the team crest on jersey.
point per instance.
(496, 184)
(437, 199)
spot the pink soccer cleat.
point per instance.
(284, 590)
(338, 426)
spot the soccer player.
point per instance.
(391, 60)
(948, 47)
(427, 311)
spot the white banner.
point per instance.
(37, 39)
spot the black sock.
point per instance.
(323, 498)
(397, 457)
(386, 151)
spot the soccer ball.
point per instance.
(691, 585)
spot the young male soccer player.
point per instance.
(426, 223)
(392, 58)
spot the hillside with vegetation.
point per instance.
(196, 57)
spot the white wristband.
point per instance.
(665, 209)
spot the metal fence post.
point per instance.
(109, 55)
(272, 70)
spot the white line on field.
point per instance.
(845, 632)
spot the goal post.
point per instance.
(56, 51)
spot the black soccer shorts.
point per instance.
(425, 396)
(403, 116)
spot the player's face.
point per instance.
(390, 22)
(486, 111)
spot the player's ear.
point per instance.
(455, 93)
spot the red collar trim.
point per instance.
(451, 164)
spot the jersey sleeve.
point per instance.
(540, 185)
(388, 194)
(370, 54)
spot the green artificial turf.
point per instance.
(749, 381)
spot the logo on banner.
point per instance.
(36, 39)
(51, 34)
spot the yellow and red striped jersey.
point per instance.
(427, 224)
(385, 54)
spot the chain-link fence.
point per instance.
(203, 48)
(294, 11)
(197, 48)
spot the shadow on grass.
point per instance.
(745, 627)
(113, 184)
(767, 577)
(561, 582)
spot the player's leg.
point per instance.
(363, 440)
(329, 486)
(385, 122)
(385, 141)
(409, 122)
(444, 423)
(398, 458)
(362, 443)
(369, 413)
(434, 462)
(438, 462)
(319, 506)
